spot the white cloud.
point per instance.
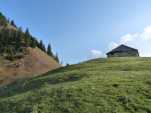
(139, 40)
(128, 38)
(146, 35)
(95, 53)
(112, 45)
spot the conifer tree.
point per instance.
(57, 58)
(33, 42)
(10, 53)
(42, 46)
(49, 50)
(18, 40)
(13, 23)
(27, 37)
(3, 20)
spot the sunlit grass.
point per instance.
(115, 85)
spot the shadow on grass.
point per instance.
(21, 86)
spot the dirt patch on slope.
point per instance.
(34, 63)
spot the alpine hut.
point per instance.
(123, 51)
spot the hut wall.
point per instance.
(124, 54)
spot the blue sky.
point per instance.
(82, 29)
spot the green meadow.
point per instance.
(114, 85)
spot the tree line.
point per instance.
(13, 40)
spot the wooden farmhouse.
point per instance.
(123, 51)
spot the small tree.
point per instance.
(49, 50)
(18, 40)
(42, 46)
(27, 37)
(13, 23)
(9, 53)
(67, 64)
(33, 42)
(3, 20)
(57, 58)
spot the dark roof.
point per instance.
(122, 48)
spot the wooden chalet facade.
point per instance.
(123, 51)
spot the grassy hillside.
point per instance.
(118, 85)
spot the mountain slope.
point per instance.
(115, 85)
(21, 54)
(35, 62)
